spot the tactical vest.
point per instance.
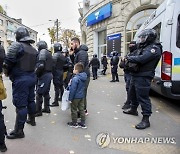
(59, 64)
(49, 62)
(27, 62)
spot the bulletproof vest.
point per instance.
(27, 62)
(115, 60)
(46, 56)
(60, 60)
(151, 65)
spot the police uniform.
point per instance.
(114, 67)
(104, 63)
(44, 74)
(147, 60)
(20, 64)
(58, 64)
(3, 147)
(95, 66)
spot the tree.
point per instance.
(2, 10)
(67, 35)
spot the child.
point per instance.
(76, 96)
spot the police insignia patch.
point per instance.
(153, 50)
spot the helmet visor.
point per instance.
(142, 39)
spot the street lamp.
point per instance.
(41, 36)
(56, 22)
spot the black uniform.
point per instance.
(104, 63)
(147, 60)
(3, 147)
(58, 65)
(20, 64)
(44, 74)
(95, 63)
(114, 67)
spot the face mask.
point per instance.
(132, 48)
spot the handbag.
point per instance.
(3, 94)
(65, 100)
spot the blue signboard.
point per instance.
(114, 43)
(100, 14)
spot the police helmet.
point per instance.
(115, 53)
(22, 35)
(94, 55)
(65, 50)
(41, 45)
(57, 47)
(147, 36)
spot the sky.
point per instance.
(37, 13)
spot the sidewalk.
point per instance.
(105, 99)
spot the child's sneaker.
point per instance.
(86, 112)
(72, 124)
(81, 125)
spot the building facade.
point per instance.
(108, 25)
(7, 28)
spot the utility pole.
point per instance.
(57, 29)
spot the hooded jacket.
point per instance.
(77, 86)
(81, 55)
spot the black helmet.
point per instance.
(65, 50)
(22, 35)
(94, 55)
(147, 36)
(41, 45)
(57, 47)
(115, 53)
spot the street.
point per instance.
(51, 135)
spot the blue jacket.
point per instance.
(77, 86)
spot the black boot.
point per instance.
(15, 134)
(54, 104)
(38, 114)
(46, 105)
(144, 123)
(132, 111)
(126, 106)
(31, 120)
(3, 147)
(39, 101)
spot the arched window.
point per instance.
(134, 24)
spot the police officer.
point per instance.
(19, 65)
(95, 63)
(68, 67)
(58, 64)
(147, 58)
(127, 74)
(3, 147)
(44, 74)
(114, 67)
(104, 63)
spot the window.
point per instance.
(134, 24)
(178, 33)
(158, 31)
(1, 33)
(1, 22)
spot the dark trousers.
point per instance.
(114, 73)
(94, 71)
(127, 78)
(43, 88)
(104, 70)
(58, 84)
(139, 93)
(85, 91)
(2, 126)
(23, 98)
(77, 105)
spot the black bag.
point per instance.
(133, 67)
(122, 63)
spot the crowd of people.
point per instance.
(31, 72)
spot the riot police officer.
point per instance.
(104, 63)
(58, 64)
(19, 65)
(95, 66)
(44, 74)
(68, 67)
(147, 60)
(3, 147)
(114, 67)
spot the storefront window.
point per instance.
(102, 44)
(134, 24)
(178, 33)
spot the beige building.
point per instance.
(7, 28)
(102, 18)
